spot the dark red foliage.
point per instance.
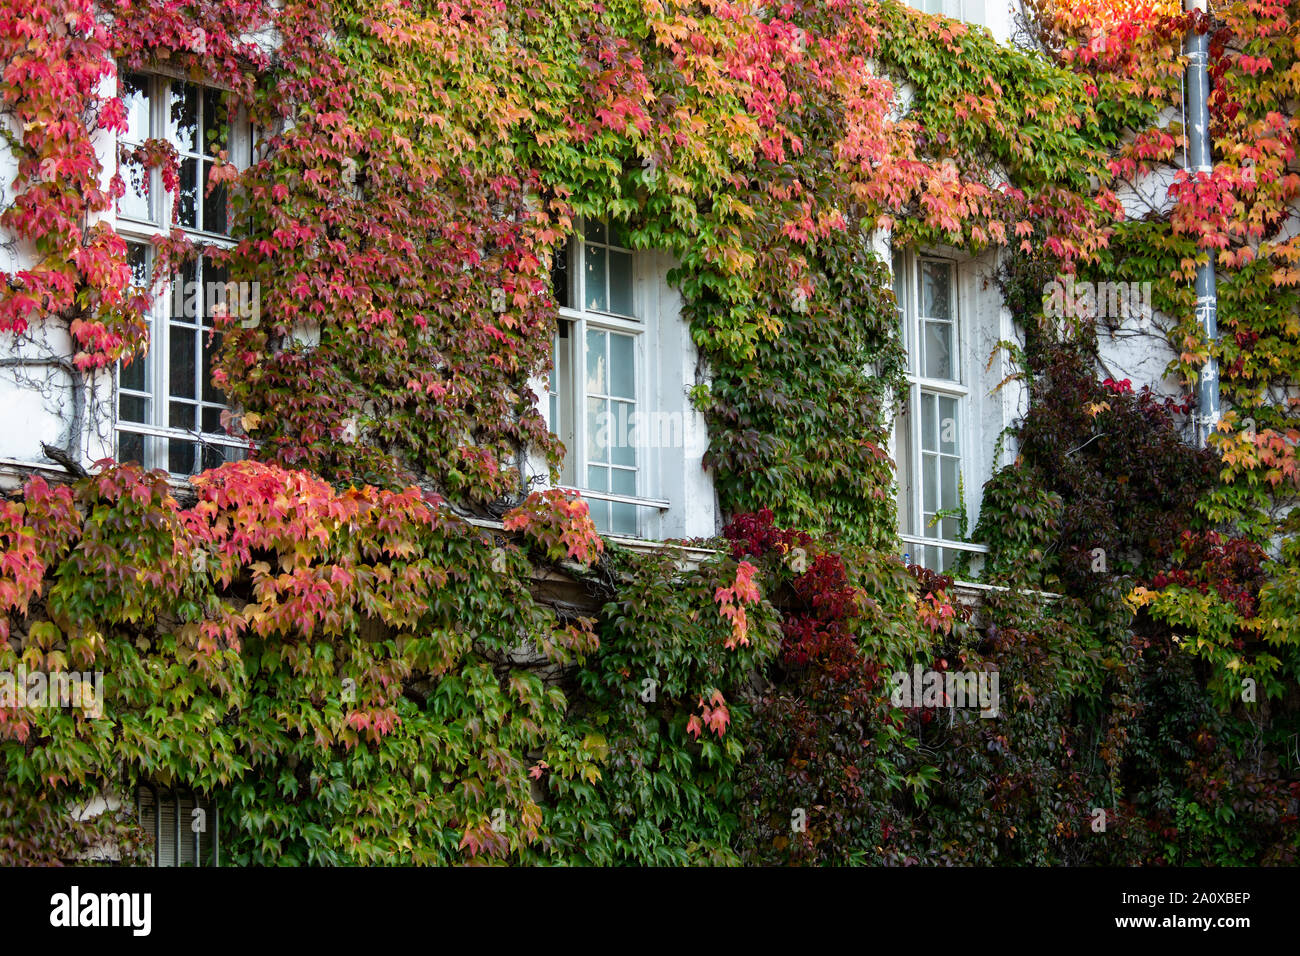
(1233, 567)
(821, 599)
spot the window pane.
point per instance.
(948, 470)
(598, 431)
(135, 97)
(186, 295)
(133, 408)
(187, 200)
(130, 448)
(216, 293)
(181, 366)
(594, 230)
(596, 380)
(938, 350)
(938, 336)
(133, 377)
(623, 519)
(929, 424)
(623, 482)
(216, 130)
(949, 426)
(595, 298)
(180, 457)
(216, 455)
(183, 126)
(560, 276)
(623, 515)
(137, 257)
(622, 366)
(620, 283)
(936, 290)
(906, 476)
(212, 421)
(133, 374)
(210, 392)
(597, 478)
(180, 415)
(930, 483)
(214, 204)
(136, 203)
(599, 514)
(621, 427)
(561, 378)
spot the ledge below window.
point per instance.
(691, 556)
(969, 592)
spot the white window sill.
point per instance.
(690, 556)
(181, 434)
(657, 503)
(969, 591)
(969, 546)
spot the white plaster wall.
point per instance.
(997, 15)
(38, 399)
(986, 322)
(1140, 354)
(681, 477)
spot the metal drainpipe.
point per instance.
(1199, 160)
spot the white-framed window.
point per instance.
(598, 395)
(168, 414)
(970, 11)
(933, 433)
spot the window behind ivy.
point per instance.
(596, 390)
(168, 411)
(931, 437)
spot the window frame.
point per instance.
(642, 329)
(134, 230)
(913, 529)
